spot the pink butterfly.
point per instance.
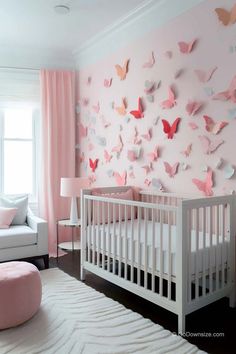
(229, 94)
(171, 170)
(168, 54)
(150, 62)
(149, 87)
(170, 102)
(193, 125)
(134, 138)
(83, 131)
(208, 145)
(178, 73)
(187, 151)
(205, 186)
(147, 182)
(132, 155)
(97, 107)
(148, 135)
(147, 168)
(120, 179)
(185, 47)
(107, 156)
(193, 107)
(92, 179)
(107, 82)
(105, 123)
(170, 130)
(93, 164)
(131, 174)
(213, 127)
(118, 148)
(85, 101)
(153, 156)
(205, 76)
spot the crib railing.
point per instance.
(121, 238)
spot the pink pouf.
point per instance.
(20, 293)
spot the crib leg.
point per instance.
(181, 324)
(232, 299)
(82, 273)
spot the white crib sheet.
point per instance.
(99, 238)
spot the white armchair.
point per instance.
(28, 241)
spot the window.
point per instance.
(19, 150)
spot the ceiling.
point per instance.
(34, 25)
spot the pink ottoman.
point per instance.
(20, 293)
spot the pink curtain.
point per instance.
(58, 145)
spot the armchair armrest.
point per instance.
(41, 227)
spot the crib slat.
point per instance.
(203, 253)
(223, 246)
(169, 254)
(145, 248)
(196, 255)
(153, 251)
(217, 247)
(98, 228)
(89, 230)
(132, 245)
(190, 240)
(93, 228)
(103, 249)
(126, 242)
(210, 250)
(119, 241)
(114, 239)
(108, 236)
(161, 251)
(139, 245)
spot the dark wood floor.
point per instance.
(215, 318)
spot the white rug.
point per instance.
(75, 318)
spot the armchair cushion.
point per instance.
(6, 217)
(19, 202)
(17, 236)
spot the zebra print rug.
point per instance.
(74, 318)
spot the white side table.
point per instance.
(68, 246)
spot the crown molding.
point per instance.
(149, 15)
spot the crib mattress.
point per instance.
(127, 247)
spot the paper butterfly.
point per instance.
(155, 120)
(205, 186)
(219, 163)
(107, 156)
(147, 168)
(148, 135)
(205, 76)
(229, 94)
(107, 82)
(204, 168)
(93, 164)
(92, 179)
(209, 91)
(122, 71)
(185, 47)
(170, 130)
(193, 125)
(134, 138)
(131, 174)
(150, 62)
(208, 145)
(120, 179)
(170, 102)
(213, 127)
(97, 107)
(187, 151)
(147, 182)
(153, 156)
(105, 123)
(226, 17)
(193, 107)
(149, 86)
(156, 183)
(232, 113)
(183, 166)
(171, 170)
(83, 131)
(139, 112)
(118, 148)
(121, 110)
(101, 140)
(178, 73)
(150, 98)
(229, 171)
(133, 154)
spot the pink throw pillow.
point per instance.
(127, 195)
(6, 217)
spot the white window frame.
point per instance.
(33, 198)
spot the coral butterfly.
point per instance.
(147, 168)
(118, 148)
(150, 62)
(121, 110)
(107, 82)
(170, 102)
(205, 76)
(187, 151)
(97, 107)
(107, 156)
(93, 164)
(171, 170)
(170, 130)
(208, 145)
(226, 17)
(229, 94)
(213, 127)
(185, 47)
(139, 112)
(147, 136)
(193, 107)
(122, 70)
(205, 186)
(153, 156)
(120, 179)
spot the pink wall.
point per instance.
(215, 47)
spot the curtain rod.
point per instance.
(18, 68)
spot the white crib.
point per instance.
(177, 252)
